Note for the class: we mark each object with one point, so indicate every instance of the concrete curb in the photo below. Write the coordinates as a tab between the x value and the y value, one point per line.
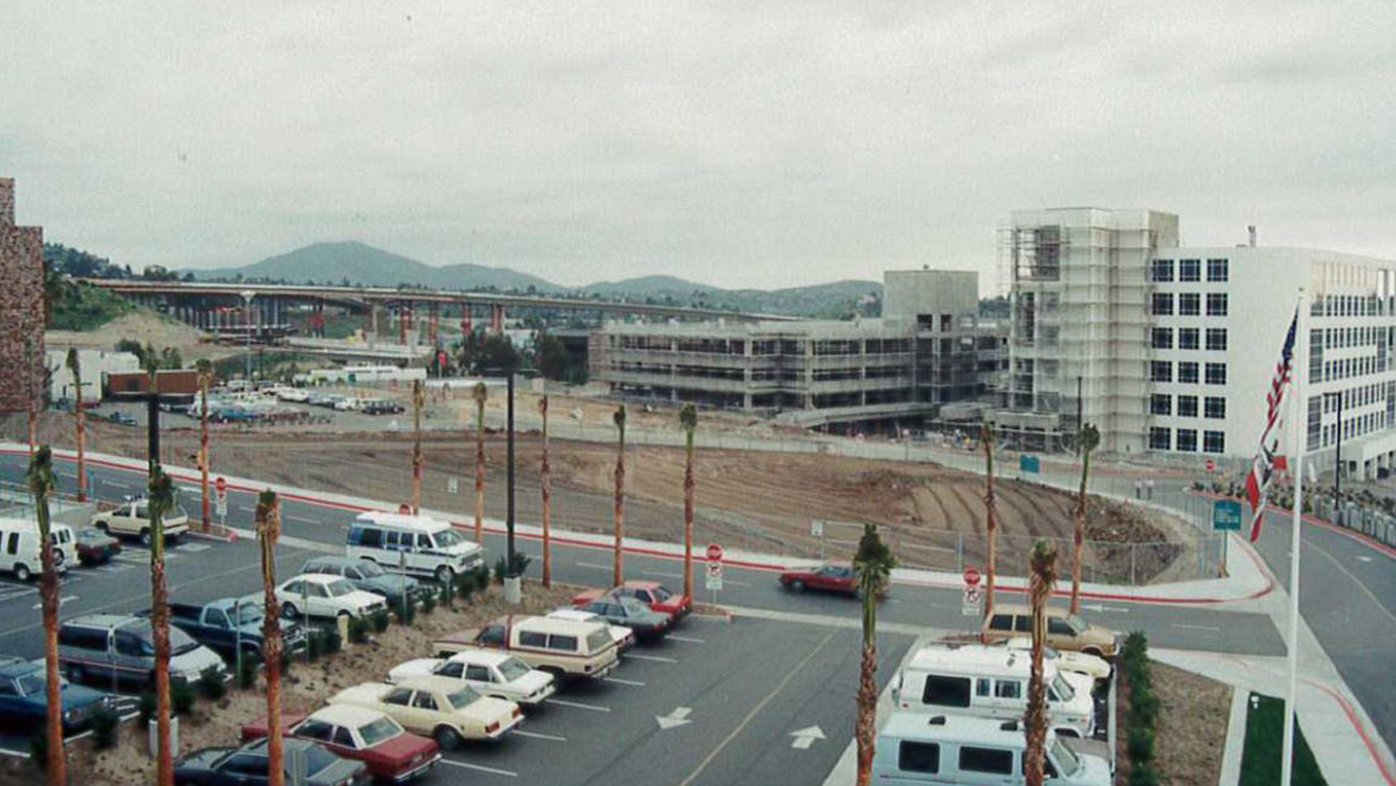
1235	739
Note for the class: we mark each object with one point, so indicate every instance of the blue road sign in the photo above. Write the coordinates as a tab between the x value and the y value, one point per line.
1226	515
1030	464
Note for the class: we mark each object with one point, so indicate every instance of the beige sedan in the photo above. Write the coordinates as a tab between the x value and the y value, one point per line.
440	707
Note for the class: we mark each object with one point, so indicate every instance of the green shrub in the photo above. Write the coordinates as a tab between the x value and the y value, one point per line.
521	563
1143	775
465	586
330	642
1141	744
380	621
1143	707
482	578
38	750
211	684
104	724
405	614
147	706
499	570
247	670
182	696
428	602
314	643
358	630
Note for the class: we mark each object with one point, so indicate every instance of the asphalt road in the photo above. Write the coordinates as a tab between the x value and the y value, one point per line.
746	686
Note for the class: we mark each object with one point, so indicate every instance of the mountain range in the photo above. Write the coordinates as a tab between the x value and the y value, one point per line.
359	264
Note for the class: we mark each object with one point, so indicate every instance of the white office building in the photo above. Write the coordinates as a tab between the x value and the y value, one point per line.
1215	319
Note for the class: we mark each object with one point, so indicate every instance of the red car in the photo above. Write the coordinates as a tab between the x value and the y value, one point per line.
651	593
391	753
96	547
828	577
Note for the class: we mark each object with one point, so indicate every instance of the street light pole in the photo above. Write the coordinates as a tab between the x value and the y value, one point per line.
247	296
1337	459
509	516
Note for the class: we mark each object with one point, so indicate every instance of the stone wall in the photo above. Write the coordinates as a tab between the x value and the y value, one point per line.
21	307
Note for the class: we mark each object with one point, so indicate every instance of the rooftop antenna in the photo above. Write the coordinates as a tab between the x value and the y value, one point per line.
1251	230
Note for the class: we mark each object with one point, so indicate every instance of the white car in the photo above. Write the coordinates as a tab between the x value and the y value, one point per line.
1071	662
624	637
347	405
438	707
293	394
492	673
321	595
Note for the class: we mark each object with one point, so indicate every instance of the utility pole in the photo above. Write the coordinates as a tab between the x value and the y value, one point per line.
1337	459
509	518
247	296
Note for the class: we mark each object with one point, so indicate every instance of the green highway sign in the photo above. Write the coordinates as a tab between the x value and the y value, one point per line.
1226	515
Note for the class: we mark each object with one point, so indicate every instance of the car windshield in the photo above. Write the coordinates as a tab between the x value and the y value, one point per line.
632	605
462	698
661	594
512	669
1063	688
339	588
370	570
1067	760
598	640
92	536
318	759
180	642
31	683
447	538
384	728
250	615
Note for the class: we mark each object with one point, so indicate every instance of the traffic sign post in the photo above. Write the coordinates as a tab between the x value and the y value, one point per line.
1226	517
970	606
816	530
972	576
220	487
713	582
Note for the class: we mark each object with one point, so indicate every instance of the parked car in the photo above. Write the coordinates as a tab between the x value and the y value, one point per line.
1072	662
490	672
121	419
651	593
121	647
367	576
347	404
952	750
443	708
19	547
389	752
24	697
380	406
297	395
95	547
321	595
225	624
627	611
248	766
623	636
564	648
322	399
132	519
234	415
1065	631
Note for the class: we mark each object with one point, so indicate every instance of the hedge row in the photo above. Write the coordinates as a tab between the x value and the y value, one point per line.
1143	710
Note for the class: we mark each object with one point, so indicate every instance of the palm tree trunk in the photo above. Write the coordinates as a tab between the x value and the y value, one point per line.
57	763
1044	565
268	530
480	472
547	474
81	420
618	559
1079	534
688	494
203	451
867	710
417	396
160	635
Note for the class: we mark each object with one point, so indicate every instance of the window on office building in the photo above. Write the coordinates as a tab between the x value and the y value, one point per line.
1161	404
1160	438
1163	304
1187	338
1216	339
1215	407
1189	269
1213	442
1163	338
1187	406
1187	440
1161	371
1216	304
1216	373
1162	270
1187	373
1217	270
1189	304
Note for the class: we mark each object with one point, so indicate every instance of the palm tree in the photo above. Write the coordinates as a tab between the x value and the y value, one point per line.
873	564
418	399
1043	563
618	571
1090	439
268	530
205	369
480	394
991	514
688	418
547	473
41	484
161	502
74	364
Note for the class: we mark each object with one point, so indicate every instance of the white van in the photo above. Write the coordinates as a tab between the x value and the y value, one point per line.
19	547
940	750
991	682
412	544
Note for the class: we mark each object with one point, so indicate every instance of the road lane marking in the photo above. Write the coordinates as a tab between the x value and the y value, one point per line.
303	520
620	681
111	484
1183	626
655	658
578	705
754	710
61	601
535	735
661	574
688	639
1363	558
805	737
678	717
1355	580
479	768
593	566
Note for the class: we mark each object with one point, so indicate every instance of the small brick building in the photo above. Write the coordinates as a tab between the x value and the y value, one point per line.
21	306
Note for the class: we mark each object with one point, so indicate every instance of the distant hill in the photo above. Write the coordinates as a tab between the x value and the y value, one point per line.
363	265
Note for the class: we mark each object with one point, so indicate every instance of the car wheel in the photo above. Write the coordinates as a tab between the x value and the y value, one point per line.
144	537
288	610
103	527
1092	651
22	573
344	615
797	586
445	575
447	737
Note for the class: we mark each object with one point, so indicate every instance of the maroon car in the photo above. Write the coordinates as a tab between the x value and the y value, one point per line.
651	593
828	577
95	547
391	753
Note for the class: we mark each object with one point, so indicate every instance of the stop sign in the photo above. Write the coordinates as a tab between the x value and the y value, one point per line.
714	552
1211	465
971	577
220	484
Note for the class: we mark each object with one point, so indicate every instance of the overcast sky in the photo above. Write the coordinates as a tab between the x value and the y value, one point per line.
737	144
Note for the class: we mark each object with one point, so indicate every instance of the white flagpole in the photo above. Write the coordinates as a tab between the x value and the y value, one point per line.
1298	433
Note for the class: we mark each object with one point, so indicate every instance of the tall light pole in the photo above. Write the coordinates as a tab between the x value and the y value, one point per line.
247	296
1337	458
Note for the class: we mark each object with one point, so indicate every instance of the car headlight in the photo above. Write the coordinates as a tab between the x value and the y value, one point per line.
70	715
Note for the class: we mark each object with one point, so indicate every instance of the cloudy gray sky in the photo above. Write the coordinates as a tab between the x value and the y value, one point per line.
737	144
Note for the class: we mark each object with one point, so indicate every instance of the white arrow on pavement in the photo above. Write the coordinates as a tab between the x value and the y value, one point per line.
1098	607
806	737
676	718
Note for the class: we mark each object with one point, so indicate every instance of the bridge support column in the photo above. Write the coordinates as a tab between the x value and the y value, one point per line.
497	318
317	320
466	326
372	325
433	323
404	322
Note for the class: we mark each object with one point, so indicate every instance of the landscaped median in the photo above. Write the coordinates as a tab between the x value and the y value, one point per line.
1172	723
1260	759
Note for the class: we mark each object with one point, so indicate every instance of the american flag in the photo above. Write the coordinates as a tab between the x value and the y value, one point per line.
1267	462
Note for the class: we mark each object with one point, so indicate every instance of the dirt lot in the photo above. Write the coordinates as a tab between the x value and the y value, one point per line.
146	328
1192	723
305	688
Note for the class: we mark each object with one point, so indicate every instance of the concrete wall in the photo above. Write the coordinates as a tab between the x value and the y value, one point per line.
907	293
21	307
